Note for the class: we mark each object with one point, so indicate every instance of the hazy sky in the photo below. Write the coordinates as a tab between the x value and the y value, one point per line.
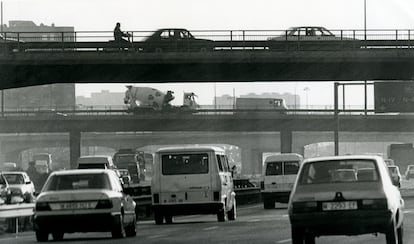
88	15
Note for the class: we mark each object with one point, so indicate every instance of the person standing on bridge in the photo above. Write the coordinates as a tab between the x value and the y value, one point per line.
118	34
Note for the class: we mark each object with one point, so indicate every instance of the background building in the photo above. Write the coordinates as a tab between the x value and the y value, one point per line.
56	96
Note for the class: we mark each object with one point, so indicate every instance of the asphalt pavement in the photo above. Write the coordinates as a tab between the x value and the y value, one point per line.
253	225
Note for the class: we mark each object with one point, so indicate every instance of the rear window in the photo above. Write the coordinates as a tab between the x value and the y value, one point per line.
339	171
92	166
125	158
282	168
77	182
177	164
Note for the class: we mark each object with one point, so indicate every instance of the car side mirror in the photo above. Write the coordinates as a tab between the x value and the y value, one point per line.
396	181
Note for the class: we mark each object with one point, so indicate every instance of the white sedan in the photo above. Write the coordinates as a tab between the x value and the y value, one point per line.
83	201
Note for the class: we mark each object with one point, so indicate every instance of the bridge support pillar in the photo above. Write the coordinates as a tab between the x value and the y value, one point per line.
286	141
74	147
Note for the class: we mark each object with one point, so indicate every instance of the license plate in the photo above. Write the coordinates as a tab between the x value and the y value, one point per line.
73	205
333	206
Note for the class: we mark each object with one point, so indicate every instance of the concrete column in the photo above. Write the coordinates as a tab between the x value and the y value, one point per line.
74	147
286	141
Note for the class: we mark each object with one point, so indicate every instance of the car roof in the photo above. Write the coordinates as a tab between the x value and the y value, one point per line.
14	172
96	156
344	157
82	171
298	27
190	148
176	29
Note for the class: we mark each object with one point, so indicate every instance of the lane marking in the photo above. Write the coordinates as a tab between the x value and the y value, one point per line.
16	237
253	220
211	228
284	241
155	236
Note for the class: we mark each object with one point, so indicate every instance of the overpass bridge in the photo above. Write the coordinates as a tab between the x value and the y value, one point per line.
283	129
86	57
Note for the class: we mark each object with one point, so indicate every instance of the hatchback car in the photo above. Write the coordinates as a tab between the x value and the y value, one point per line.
83	201
20	185
311	38
409	173
175	40
323	204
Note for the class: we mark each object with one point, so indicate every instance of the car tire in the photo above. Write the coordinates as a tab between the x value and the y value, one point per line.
298	235
221	215
268	204
58	236
168	219
232	214
391	234
400	234
42	236
158	218
131	229
118	229
309	239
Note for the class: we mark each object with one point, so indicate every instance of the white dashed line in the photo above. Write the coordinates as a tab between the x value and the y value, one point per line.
155	236
284	241
211	228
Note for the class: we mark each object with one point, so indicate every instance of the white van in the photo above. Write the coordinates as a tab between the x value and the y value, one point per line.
192	180
96	162
279	175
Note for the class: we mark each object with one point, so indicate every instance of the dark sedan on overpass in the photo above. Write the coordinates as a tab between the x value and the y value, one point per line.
175	40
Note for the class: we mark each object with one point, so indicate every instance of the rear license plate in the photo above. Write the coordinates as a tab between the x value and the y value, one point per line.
333	206
73	205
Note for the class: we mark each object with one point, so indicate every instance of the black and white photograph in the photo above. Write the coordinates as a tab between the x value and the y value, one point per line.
207	121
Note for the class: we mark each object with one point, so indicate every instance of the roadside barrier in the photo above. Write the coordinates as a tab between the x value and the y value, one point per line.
14	211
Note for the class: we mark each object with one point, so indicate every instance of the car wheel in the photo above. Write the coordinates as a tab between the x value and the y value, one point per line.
391	234
221	215
232	214
309	239
298	235
268	204
400	232
131	229
41	236
168	219
158	218
119	229
58	236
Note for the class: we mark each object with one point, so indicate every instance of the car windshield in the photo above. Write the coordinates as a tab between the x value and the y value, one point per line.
176	164
125	158
14	178
339	171
92	166
77	182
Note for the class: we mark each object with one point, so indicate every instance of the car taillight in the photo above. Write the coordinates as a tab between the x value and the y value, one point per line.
106	203
156	198
303	207
374	204
216	196
42	206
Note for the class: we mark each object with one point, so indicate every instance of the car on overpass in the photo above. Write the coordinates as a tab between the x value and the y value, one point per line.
322	204
175	40
86	200
311	38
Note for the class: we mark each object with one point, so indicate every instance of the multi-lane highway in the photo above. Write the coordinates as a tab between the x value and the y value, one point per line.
253	225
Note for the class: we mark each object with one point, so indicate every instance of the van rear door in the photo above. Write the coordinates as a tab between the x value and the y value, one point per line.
185	177
280	175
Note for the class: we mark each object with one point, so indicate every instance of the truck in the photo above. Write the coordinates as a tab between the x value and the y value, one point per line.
140	99
140	187
43	162
263	104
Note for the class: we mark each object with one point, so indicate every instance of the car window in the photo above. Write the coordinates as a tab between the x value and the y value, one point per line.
173	164
2	180
92	166
77	182
339	171
291	167
274	168
219	163
14	178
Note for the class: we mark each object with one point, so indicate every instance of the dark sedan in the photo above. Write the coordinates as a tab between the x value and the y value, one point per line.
175	40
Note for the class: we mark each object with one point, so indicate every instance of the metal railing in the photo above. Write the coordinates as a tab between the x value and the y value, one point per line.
222	39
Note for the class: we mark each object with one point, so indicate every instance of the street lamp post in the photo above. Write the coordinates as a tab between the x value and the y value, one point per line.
365	20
